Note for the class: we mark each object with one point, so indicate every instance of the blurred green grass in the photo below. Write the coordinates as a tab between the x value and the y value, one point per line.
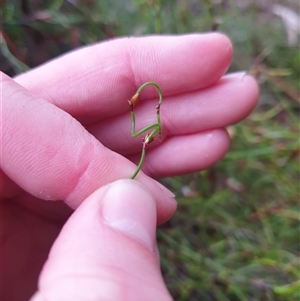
235	235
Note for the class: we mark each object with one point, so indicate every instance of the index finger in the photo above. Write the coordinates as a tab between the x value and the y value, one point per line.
96	81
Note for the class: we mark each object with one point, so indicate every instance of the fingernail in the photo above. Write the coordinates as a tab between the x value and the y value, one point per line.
130	208
240	75
168	193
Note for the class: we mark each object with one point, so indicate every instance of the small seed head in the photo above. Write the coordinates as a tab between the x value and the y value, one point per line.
148	139
134	99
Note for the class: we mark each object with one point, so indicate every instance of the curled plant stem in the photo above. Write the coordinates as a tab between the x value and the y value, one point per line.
151	129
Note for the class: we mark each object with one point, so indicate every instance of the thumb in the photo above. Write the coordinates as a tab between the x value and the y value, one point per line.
106	250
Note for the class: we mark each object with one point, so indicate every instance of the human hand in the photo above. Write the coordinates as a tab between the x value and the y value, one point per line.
51	156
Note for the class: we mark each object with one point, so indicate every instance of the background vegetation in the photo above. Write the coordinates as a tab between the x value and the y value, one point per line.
236	233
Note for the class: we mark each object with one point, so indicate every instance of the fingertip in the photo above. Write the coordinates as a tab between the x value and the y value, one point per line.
247	88
252	86
222	41
129	207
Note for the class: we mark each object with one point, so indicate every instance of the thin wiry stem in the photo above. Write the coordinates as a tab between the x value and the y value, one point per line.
155	127
140	165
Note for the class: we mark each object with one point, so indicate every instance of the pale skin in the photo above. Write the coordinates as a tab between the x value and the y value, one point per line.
66	134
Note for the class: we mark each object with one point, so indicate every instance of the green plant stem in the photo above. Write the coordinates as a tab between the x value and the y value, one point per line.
140	165
156	127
